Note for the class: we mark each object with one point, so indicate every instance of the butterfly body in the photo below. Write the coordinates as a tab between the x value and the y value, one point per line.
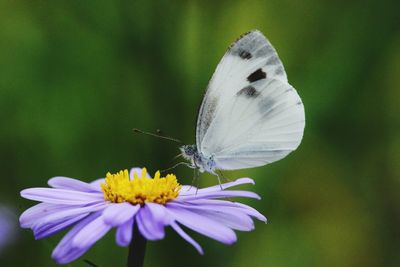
250	115
197	159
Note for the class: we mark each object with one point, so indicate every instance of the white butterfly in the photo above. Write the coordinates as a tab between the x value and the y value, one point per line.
250	115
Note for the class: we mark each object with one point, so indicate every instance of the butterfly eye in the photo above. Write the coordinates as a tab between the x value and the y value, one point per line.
190	150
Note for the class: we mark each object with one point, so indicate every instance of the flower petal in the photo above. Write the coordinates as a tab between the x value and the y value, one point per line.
236	221
190	190
97	184
185	236
61	182
159	213
118	213
61	196
251	211
31	215
214	204
123	236
202	224
233	217
89	234
64	251
150	224
220	194
54	227
67	212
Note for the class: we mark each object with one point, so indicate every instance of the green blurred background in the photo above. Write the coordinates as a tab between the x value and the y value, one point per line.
77	76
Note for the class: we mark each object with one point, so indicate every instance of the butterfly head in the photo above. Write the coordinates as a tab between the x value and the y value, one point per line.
197	159
189	151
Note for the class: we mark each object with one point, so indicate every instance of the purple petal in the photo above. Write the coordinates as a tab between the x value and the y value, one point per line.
159	213
64	213
237	221
150	225
202	224
185	236
123	236
52	228
220	194
97	184
214	204
232	217
72	254
61	196
89	234
71	184
119	213
252	211
64	251
138	171
190	190
31	215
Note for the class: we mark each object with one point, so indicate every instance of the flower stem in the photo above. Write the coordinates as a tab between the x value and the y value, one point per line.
137	249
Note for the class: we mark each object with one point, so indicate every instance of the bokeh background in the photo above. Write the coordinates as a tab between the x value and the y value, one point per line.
77	76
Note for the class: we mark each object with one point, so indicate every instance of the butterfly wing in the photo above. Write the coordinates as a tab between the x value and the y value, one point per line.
250	115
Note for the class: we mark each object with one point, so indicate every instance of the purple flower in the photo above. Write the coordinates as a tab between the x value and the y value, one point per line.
7	227
124	199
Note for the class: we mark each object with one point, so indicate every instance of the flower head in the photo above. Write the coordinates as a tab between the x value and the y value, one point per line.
122	200
120	188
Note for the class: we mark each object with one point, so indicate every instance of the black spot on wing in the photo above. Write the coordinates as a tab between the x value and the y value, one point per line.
248	91
257	75
244	54
242	47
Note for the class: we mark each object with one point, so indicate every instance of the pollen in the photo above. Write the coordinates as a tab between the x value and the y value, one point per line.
119	188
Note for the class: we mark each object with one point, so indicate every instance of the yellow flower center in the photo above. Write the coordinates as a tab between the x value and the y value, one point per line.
119	188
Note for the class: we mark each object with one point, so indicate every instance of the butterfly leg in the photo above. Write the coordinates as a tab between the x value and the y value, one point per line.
219	180
224	178
195	179
196	176
220	174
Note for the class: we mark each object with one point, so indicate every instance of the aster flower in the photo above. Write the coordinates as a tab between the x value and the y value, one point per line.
7	227
130	201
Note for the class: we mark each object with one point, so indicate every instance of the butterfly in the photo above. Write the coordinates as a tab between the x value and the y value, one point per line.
250	115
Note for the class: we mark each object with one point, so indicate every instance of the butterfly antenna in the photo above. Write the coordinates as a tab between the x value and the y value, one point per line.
176	165
136	130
